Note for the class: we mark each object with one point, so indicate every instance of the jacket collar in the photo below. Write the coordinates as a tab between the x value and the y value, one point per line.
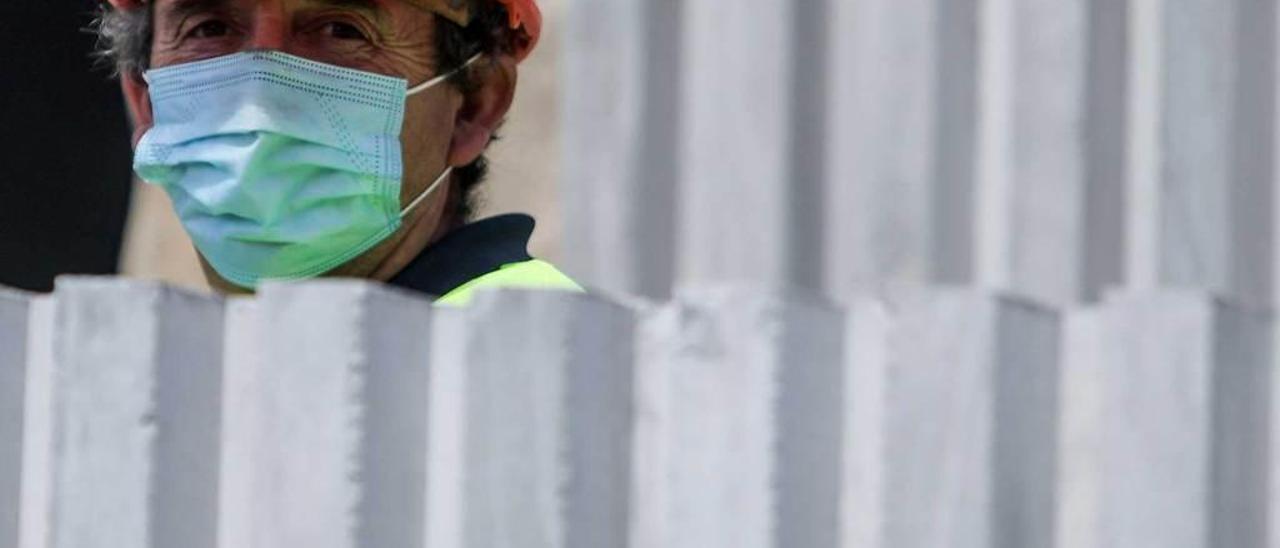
467	253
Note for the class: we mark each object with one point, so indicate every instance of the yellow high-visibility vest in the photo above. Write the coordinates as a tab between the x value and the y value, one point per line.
533	274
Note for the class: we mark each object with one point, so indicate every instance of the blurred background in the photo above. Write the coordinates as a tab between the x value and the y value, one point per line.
64	148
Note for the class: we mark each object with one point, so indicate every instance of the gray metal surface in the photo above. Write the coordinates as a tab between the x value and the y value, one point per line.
343	414
1050	149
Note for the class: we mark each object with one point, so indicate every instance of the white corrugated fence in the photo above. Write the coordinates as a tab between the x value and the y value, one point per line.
343	414
1053	149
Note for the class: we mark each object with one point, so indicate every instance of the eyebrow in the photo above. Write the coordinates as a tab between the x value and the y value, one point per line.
178	10
372	6
185	7
375	8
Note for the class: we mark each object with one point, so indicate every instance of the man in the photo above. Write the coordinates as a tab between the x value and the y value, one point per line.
303	138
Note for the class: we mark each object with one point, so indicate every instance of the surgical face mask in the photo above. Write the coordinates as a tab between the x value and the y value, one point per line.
280	168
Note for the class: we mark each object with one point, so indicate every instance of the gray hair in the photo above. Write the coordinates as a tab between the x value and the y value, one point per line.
124	39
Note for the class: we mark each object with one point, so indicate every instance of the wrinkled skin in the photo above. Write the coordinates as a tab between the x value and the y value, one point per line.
391	37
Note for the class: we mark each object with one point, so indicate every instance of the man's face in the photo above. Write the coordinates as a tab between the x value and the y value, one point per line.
388	37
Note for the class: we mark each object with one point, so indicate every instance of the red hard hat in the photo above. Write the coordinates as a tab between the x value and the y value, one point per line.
524	15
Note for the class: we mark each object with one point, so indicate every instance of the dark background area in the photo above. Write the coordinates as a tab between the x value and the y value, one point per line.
64	149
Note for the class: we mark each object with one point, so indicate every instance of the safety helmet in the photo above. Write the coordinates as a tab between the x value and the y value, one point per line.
524	16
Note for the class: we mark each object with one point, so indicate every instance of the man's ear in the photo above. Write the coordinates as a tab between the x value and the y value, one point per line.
139	103
483	110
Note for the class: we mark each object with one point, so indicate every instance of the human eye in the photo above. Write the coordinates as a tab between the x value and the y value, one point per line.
210	29
341	30
337	37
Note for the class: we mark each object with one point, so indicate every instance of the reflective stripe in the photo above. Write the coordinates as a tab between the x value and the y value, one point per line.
533	274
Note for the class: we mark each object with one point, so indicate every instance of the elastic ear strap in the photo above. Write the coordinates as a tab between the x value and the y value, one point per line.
440	79
428	192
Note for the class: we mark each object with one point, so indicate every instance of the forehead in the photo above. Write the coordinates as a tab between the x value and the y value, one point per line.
182	5
458	11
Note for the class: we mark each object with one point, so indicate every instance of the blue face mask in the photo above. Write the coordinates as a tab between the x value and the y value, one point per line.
280	168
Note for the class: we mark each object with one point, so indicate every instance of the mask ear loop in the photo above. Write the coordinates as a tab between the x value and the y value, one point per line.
448	170
428	192
439	79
